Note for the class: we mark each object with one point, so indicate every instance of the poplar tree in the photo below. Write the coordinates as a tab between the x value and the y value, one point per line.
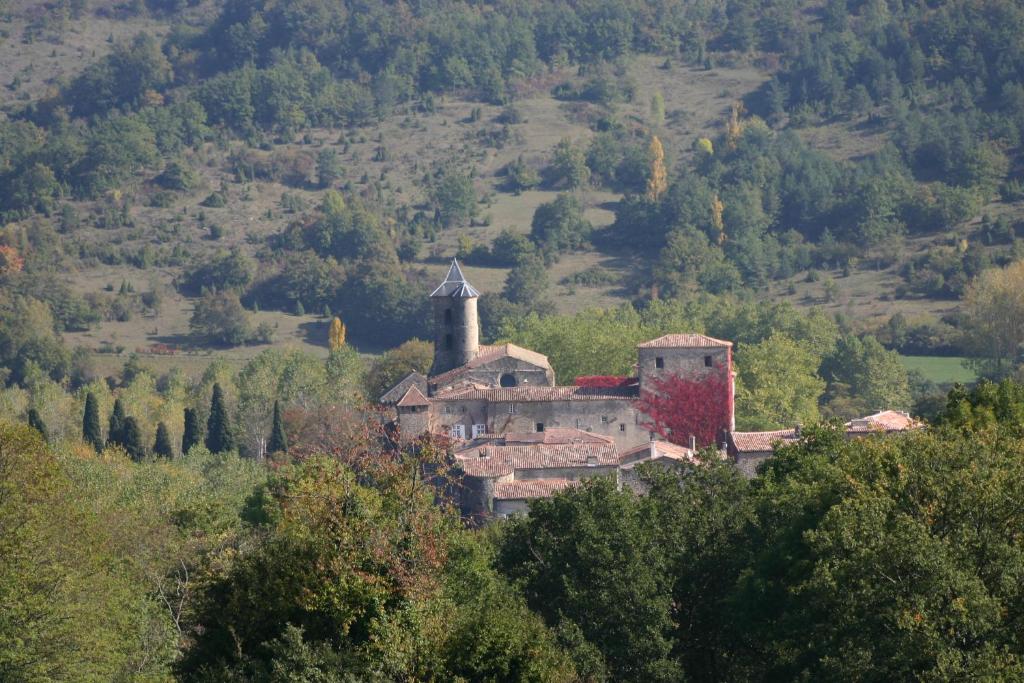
132	439
336	335
192	435
218	427
162	445
91	433
658	182
115	429
278	440
36	423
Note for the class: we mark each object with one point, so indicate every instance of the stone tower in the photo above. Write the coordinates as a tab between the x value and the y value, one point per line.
456	326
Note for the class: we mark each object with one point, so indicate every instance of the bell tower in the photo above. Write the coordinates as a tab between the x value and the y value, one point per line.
456	326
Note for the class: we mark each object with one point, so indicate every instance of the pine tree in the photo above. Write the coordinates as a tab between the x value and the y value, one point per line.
336	335
91	433
36	423
115	430
162	445
192	435
218	427
132	439
278	440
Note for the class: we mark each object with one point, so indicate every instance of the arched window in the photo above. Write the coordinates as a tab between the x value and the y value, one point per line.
507	380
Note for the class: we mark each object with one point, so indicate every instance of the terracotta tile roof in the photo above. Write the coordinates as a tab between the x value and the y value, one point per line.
493	461
755	442
395	393
556	435
413	397
526	394
605	381
684	341
885	421
531	488
486	354
654	451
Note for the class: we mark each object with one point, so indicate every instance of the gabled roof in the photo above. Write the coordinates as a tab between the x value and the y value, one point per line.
495	461
655	450
538	394
413	397
884	421
531	488
395	393
455	285
684	341
488	354
758	442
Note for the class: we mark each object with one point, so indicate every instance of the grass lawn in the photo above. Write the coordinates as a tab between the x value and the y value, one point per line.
941	369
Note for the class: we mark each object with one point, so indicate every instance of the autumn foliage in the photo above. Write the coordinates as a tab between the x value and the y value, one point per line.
679	407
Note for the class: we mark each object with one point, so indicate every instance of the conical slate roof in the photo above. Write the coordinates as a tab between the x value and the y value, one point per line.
455	285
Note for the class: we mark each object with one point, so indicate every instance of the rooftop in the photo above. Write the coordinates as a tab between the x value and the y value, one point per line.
684	341
531	488
455	285
395	393
527	394
495	461
487	354
413	397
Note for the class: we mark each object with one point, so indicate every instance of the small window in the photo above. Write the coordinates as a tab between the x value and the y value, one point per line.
540	426
622	426
448	341
659	362
457	431
604	419
507	380
511	407
447	316
479	429
447	410
708	361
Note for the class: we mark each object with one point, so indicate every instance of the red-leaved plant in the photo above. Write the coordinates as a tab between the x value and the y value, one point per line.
678	407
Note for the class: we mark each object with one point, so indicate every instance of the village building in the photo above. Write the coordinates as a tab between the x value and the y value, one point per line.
518	436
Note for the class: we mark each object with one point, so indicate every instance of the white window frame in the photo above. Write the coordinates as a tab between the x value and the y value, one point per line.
511	408
478	429
457	431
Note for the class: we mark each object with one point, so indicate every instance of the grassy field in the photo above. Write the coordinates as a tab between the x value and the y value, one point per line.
941	369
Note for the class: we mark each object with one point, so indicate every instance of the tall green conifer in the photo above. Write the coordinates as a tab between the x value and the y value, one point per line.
278	440
162	445
91	432
131	436
218	427
193	434
115	430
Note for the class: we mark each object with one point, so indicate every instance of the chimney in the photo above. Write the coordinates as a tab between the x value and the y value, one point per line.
693	443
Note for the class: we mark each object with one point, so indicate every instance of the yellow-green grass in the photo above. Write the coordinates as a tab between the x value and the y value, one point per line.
941	369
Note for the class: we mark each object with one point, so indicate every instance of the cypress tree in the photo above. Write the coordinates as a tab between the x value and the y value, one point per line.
132	436
91	433
36	423
278	440
218	427
162	445
115	430
192	435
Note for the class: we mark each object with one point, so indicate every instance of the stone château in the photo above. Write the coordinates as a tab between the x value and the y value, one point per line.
519	436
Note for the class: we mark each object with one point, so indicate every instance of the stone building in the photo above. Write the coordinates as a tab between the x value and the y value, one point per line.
518	436
750	449
474	389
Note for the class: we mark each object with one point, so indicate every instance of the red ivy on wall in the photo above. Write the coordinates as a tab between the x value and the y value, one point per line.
679	407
